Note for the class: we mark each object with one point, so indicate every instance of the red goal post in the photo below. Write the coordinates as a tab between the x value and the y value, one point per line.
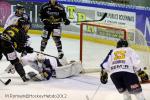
99	26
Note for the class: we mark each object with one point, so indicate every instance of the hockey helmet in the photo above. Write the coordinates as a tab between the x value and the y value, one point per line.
122	43
19	6
40	57
19	10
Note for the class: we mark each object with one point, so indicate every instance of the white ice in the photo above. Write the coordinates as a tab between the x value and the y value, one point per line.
74	88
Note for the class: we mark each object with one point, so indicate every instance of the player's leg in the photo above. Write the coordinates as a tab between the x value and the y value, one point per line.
11	56
133	86
45	36
126	95
119	84
57	39
139	96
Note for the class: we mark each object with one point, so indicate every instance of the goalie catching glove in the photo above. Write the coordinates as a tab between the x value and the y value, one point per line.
104	77
143	75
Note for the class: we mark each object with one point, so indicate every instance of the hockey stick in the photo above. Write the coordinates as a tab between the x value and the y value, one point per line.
7	82
45	54
96	20
92	98
103	17
145	82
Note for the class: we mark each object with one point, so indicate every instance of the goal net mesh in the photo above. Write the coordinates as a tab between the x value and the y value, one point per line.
97	40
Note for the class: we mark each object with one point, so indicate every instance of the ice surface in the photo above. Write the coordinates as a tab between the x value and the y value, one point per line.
74	88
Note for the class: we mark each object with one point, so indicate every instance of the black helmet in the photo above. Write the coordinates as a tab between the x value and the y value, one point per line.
19	6
122	43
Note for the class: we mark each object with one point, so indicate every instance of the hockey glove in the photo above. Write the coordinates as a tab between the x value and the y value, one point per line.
46	74
45	22
104	77
28	49
66	21
143	75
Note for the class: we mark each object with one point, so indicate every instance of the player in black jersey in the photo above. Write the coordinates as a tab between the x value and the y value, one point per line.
12	40
51	14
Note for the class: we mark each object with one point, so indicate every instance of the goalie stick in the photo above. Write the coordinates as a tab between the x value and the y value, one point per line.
45	54
7	82
145	82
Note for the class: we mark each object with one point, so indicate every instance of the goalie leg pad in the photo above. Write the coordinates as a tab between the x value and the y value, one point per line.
140	96
72	69
126	95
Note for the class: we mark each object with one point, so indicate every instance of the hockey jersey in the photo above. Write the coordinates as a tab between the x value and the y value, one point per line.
13	19
52	14
122	59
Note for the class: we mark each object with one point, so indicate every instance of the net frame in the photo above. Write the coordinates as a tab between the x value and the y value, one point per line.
81	41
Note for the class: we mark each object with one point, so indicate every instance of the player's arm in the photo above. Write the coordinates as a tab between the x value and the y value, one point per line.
64	15
43	15
48	64
104	65
11	20
136	62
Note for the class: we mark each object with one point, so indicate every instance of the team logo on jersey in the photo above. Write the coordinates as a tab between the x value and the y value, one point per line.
119	54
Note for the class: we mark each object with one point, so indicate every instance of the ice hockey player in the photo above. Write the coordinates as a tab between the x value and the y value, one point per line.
12	40
51	14
123	63
13	18
44	67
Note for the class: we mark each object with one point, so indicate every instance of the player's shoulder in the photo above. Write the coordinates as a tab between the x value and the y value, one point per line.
130	49
25	15
11	30
11	27
45	5
61	6
127	49
12	16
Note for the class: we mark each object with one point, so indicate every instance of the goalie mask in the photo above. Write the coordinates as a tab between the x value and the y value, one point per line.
40	58
122	43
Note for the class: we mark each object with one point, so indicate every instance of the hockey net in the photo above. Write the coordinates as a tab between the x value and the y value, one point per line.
97	40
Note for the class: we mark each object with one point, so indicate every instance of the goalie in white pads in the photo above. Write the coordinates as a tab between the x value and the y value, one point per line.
48	66
123	63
